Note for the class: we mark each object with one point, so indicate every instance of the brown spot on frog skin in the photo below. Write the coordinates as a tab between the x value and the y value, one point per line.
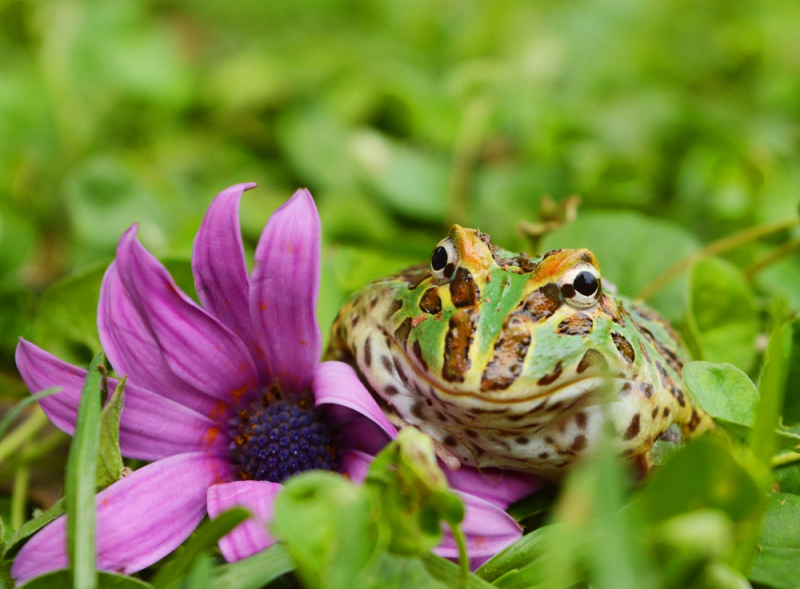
417	320
624	346
431	302
368	352
456	345
521	440
611	309
463	290
396	305
418	353
541	303
387	364
678	394
401	333
551	378
647	390
578	444
633	428
592	359
509	354
391	390
581	420
577	324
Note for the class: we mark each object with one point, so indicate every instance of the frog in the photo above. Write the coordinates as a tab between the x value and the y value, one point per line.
515	362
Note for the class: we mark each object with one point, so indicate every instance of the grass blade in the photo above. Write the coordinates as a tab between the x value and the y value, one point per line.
20	407
80	480
205	539
255	571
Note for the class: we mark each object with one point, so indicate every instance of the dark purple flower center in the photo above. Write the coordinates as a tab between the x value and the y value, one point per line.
277	437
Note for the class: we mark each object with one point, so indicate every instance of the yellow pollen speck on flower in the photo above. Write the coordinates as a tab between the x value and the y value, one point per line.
236	394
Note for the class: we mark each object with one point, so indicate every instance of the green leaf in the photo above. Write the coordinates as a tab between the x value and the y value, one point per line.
722	313
204	539
724	392
30	527
402	572
329	528
199	575
777	560
791	402
703	474
66	321
721	576
534	504
730	397
62	579
9	417
771	390
109	458
520	562
80	479
255	571
413	493
447	573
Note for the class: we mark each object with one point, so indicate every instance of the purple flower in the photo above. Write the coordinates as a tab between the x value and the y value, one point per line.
222	397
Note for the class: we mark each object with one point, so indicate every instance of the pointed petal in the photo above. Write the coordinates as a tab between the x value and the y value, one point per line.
250	536
220	272
151	426
140	519
283	292
196	347
488	529
499	487
132	349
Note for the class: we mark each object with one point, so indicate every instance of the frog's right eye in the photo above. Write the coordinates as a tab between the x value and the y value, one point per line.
444	260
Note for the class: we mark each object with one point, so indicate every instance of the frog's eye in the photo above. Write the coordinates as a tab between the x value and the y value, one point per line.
444	260
581	285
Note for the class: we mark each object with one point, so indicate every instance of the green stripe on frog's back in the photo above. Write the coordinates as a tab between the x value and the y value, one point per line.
499	297
431	334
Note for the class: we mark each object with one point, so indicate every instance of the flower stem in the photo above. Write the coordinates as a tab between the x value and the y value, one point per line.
23	433
463	557
787	248
717	247
19	496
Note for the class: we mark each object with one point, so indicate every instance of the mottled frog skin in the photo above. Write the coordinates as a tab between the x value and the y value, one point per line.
513	362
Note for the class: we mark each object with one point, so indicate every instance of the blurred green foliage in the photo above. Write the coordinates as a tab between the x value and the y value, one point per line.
678	123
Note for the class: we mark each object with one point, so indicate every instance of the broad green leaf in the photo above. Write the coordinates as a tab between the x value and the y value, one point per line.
200	573
30	527
254	571
62	579
534	504
109	459
722	313
730	397
632	250
80	479
777	559
203	540
724	392
788	478
721	576
704	474
66	322
329	528
413	493
771	390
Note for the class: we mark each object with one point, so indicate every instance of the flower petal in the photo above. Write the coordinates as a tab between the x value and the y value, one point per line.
220	272
196	347
250	536
283	292
140	518
337	383
132	349
151	426
355	465
488	529
496	486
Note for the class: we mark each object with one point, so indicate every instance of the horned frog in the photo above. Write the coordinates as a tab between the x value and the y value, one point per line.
515	362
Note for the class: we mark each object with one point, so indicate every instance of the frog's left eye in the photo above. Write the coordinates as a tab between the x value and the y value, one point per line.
444	260
581	285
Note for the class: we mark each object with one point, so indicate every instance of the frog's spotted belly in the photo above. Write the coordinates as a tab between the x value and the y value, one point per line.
495	366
